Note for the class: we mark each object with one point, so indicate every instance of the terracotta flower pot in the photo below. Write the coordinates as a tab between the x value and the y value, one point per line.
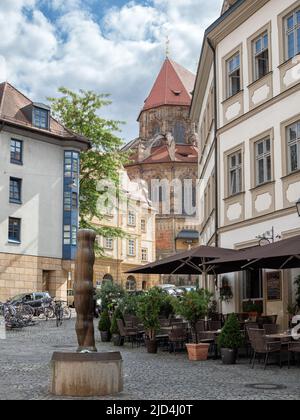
198	351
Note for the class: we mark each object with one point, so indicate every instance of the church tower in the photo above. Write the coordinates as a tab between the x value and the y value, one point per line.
166	153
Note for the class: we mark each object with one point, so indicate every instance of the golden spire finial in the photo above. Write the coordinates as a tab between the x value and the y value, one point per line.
167	46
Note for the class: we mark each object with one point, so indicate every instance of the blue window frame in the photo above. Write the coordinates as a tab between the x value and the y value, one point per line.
40	118
15	190
14	230
16	151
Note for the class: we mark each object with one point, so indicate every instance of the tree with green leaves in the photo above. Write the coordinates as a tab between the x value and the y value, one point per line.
80	113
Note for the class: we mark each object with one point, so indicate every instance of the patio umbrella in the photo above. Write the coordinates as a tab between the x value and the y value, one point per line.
284	254
188	262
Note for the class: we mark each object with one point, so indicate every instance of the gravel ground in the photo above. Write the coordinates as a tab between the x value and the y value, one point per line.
25	371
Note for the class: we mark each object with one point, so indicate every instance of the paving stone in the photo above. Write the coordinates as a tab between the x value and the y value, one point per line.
25	371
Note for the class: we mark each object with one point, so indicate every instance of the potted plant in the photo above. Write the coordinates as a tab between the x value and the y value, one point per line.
114	329
148	309
194	306
104	326
226	293
230	340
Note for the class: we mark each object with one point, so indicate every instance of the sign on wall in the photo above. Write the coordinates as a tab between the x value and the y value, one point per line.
274	286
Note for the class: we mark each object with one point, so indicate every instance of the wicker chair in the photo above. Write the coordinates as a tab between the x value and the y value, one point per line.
293	348
271	329
261	346
214	325
129	334
177	339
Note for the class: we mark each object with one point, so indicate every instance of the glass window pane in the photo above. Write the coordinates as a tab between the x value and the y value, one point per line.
290	22
261	171
291	45
258	45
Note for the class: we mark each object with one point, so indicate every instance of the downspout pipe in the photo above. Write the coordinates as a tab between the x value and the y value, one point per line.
216	144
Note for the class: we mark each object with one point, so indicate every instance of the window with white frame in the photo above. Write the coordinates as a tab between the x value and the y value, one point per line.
261	56
145	254
108	243
235	166
263	161
131	218
233	75
67	235
143	225
293	146
131	247
292	34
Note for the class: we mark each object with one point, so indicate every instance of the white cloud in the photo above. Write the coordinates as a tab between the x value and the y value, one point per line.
118	53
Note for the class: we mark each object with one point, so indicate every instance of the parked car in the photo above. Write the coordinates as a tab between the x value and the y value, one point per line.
35	300
186	289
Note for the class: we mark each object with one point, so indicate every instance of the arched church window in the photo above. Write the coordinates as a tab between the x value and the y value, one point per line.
155	129
179	132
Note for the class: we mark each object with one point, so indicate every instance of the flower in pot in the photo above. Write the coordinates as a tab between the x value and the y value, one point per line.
230	340
104	326
148	310
194	306
226	293
114	329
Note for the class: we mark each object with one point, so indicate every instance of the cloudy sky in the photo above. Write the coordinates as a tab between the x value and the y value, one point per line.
110	46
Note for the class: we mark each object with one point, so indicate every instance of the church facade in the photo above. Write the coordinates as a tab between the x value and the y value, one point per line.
165	157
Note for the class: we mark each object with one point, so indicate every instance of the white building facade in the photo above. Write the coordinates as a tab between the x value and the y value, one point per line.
39	193
251	140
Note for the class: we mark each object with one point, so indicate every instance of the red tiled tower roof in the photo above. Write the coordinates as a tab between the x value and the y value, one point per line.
173	86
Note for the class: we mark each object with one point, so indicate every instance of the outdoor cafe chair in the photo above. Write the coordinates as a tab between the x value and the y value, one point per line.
177	339
293	349
129	334
261	346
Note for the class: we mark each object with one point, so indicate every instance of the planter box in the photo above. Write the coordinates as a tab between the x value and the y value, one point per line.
198	352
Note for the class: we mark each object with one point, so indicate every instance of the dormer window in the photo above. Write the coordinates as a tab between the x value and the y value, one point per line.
40	116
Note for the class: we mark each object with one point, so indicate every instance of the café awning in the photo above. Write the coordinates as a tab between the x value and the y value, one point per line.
284	254
188	262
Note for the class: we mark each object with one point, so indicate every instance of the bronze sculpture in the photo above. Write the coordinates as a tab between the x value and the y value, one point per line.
84	290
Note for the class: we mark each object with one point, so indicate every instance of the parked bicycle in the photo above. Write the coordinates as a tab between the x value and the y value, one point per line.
16	316
61	311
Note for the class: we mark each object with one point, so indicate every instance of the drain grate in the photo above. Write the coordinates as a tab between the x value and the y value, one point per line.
266	387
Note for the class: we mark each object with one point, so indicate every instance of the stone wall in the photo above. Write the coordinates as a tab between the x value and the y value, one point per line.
24	274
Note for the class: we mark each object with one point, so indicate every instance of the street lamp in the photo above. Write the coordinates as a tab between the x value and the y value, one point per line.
298	206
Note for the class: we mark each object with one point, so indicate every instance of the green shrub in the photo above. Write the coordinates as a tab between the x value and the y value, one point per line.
194	306
149	306
167	306
104	323
114	329
231	337
110	295
129	304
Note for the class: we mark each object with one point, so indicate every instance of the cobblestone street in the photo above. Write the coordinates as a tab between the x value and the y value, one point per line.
25	371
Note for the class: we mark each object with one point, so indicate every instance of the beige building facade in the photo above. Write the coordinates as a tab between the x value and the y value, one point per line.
249	75
134	215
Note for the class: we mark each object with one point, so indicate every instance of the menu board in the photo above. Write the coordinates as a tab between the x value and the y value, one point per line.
274	286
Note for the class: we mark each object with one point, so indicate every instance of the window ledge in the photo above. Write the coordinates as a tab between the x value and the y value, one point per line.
289	61
291	174
230	98
11	242
265	184
266	76
16	162
15	202
229	197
